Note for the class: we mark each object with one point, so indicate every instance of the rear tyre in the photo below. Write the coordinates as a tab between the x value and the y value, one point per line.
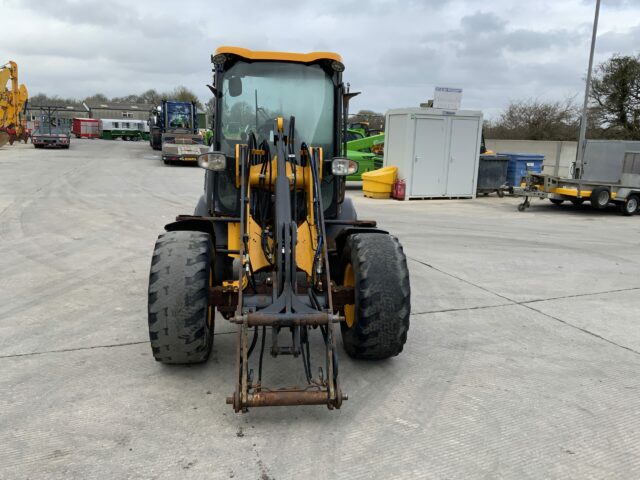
556	201
600	198
376	326
631	205
180	317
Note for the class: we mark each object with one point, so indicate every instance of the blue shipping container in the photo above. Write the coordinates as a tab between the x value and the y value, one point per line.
520	164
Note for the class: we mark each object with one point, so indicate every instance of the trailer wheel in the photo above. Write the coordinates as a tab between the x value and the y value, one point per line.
600	198
180	317
631	205
376	325
556	201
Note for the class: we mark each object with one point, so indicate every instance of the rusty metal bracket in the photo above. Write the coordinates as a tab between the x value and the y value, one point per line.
342	296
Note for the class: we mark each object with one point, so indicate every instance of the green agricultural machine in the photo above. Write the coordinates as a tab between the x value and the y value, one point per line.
366	151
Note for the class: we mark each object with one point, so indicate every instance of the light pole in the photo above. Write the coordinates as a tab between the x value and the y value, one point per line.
583	122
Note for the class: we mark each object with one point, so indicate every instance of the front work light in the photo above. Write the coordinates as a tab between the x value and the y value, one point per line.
337	66
343	166
218	59
215	161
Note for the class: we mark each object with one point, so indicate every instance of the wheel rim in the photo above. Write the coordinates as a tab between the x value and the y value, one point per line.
603	197
632	205
349	309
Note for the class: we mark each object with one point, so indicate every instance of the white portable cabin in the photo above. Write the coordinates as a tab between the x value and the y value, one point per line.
436	151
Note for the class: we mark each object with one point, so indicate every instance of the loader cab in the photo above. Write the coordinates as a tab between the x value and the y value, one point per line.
251	90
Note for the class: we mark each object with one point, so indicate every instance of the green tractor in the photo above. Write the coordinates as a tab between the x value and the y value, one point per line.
366	151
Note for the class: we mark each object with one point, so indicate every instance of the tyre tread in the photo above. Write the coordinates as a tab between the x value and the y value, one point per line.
178	298
382	313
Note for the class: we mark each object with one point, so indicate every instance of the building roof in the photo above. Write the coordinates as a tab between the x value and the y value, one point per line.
142	107
63	107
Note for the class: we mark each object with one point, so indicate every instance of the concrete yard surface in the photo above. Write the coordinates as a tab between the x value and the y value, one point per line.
522	360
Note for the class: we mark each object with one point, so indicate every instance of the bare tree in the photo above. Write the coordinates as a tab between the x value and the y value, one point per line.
151	96
536	120
41	99
375	119
183	94
97	97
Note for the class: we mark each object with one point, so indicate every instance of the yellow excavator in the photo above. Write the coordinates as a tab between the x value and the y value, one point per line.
13	102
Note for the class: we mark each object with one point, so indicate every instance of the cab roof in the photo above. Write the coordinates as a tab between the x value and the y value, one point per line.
278	56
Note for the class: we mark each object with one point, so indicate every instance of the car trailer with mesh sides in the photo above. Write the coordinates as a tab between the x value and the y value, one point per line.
625	193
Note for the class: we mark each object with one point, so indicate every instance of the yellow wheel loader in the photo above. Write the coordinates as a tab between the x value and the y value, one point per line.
274	246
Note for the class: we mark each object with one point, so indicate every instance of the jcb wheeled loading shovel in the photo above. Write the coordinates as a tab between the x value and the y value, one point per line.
289	307
274	244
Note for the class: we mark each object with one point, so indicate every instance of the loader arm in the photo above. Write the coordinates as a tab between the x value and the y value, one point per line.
289	310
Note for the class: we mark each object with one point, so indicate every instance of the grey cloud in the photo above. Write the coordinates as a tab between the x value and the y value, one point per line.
481	22
612	3
395	51
526	40
116	15
615	42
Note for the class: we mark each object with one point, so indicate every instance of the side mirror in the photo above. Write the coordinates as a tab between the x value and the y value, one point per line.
235	86
216	161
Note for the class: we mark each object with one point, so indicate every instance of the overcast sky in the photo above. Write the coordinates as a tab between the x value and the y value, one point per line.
395	51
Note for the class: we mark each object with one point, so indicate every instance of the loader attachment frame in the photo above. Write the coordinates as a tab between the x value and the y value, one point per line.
288	308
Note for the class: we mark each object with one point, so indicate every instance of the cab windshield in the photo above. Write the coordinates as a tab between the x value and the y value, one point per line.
255	94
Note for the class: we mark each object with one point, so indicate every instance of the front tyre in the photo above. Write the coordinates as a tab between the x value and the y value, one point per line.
600	198
180	317
376	325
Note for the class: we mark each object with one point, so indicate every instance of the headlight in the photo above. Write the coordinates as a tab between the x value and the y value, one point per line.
216	161
343	166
